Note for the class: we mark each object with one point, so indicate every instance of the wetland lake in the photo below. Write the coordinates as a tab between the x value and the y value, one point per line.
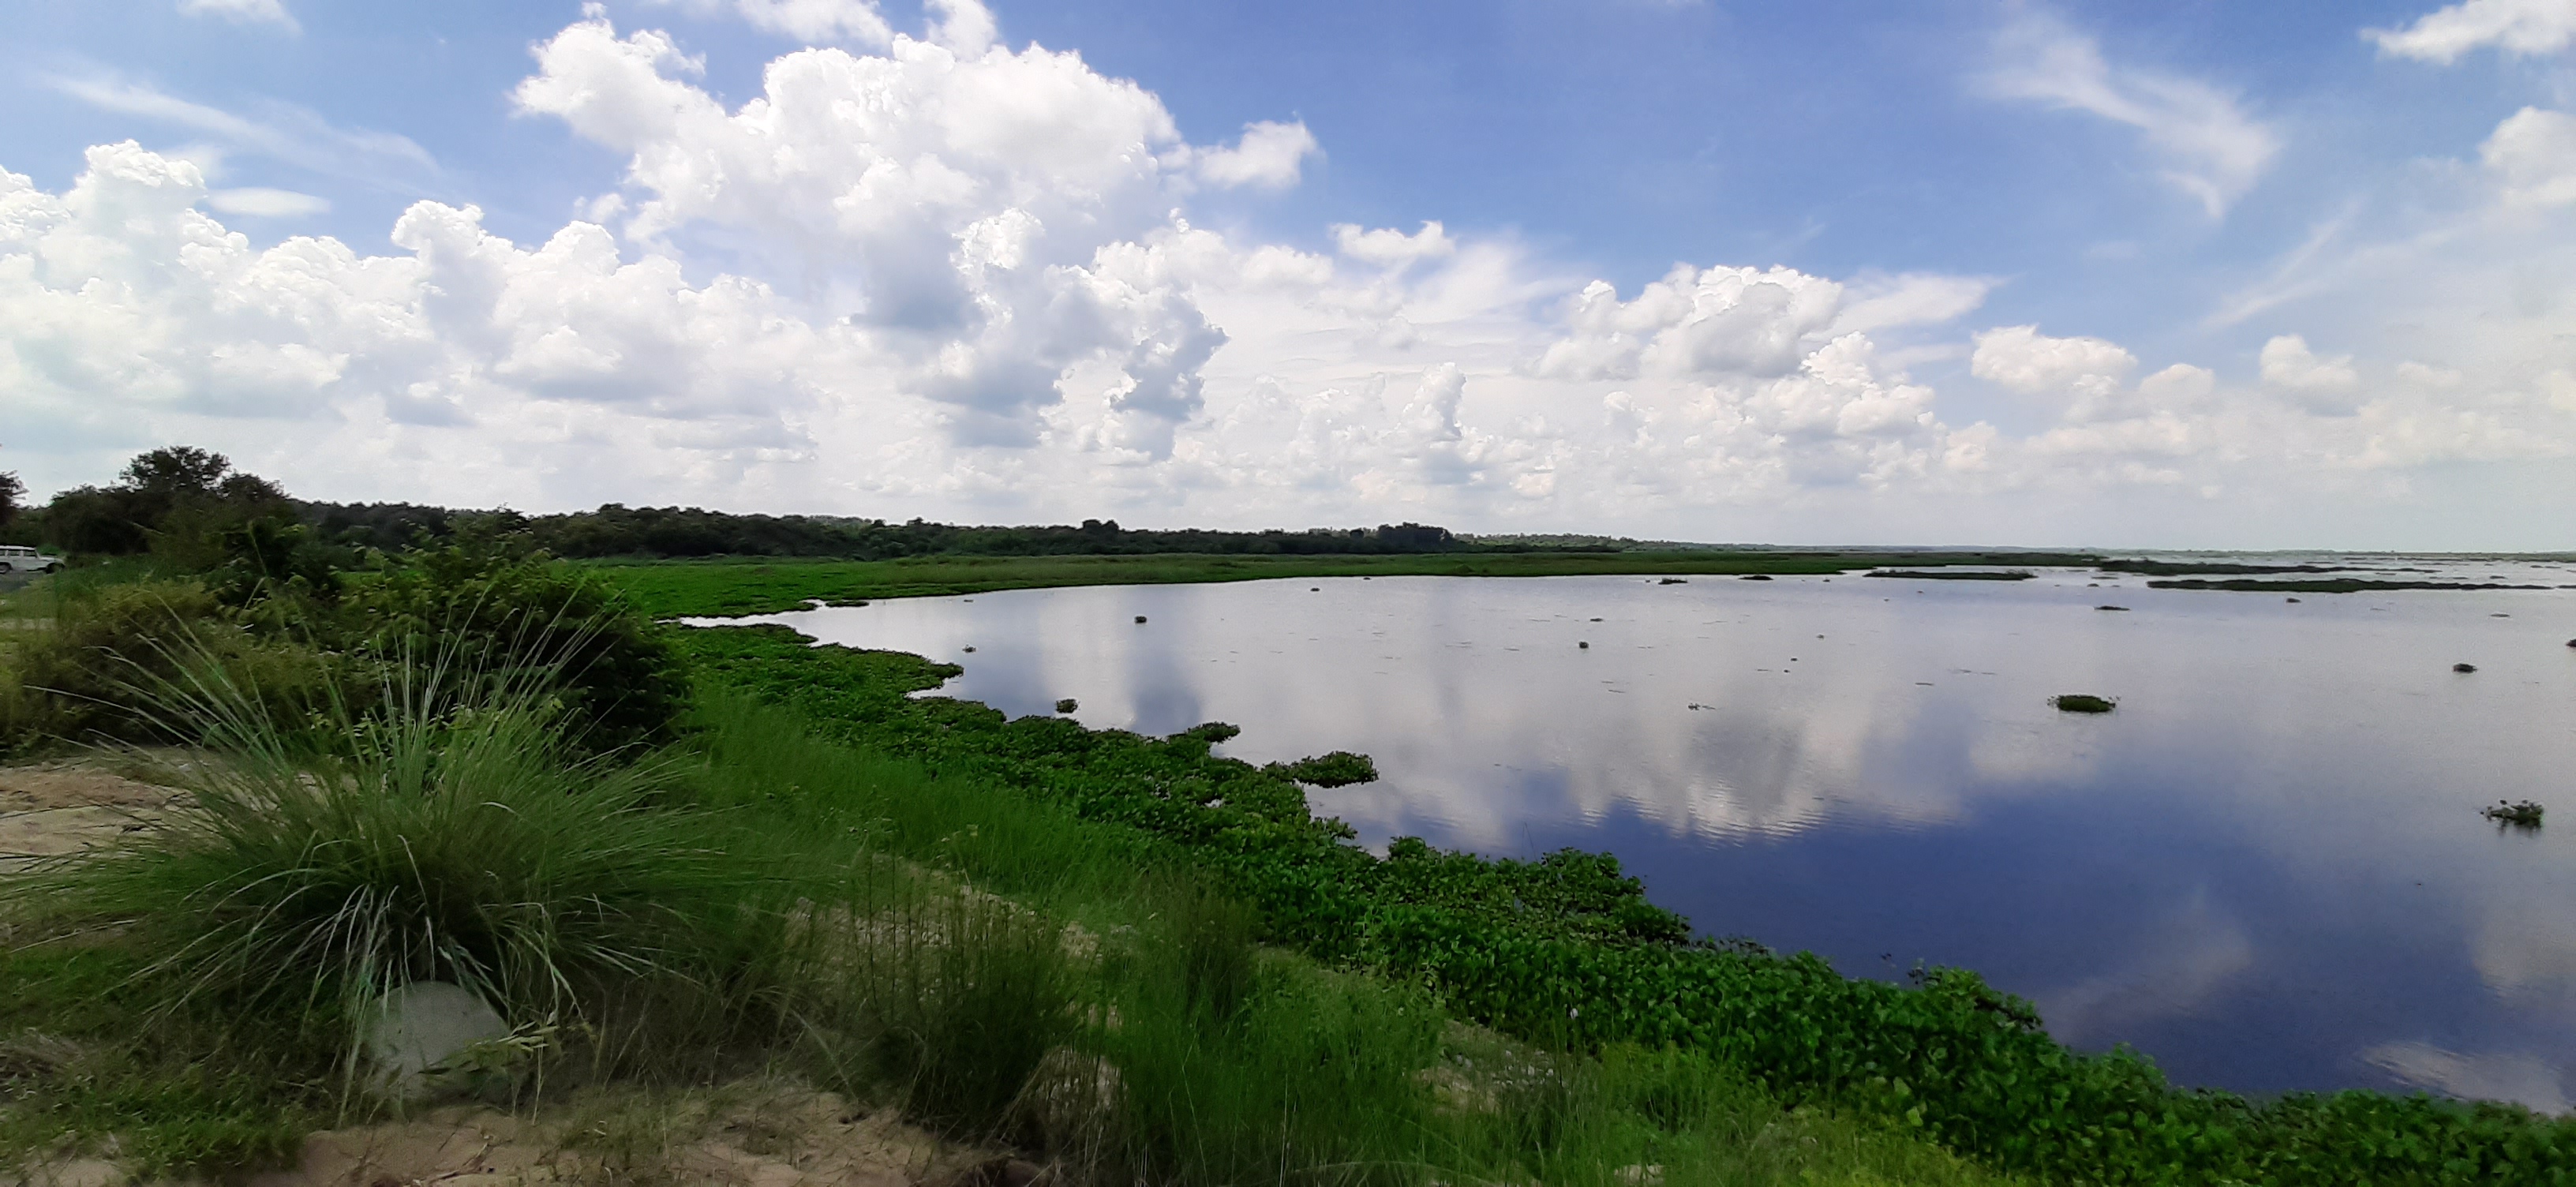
2266	869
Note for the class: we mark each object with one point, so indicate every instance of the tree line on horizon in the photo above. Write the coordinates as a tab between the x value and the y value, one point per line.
183	499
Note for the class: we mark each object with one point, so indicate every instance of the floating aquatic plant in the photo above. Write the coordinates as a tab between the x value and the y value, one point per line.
2082	702
2525	814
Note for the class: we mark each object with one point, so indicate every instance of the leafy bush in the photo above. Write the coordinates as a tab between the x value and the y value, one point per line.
88	677
615	677
609	674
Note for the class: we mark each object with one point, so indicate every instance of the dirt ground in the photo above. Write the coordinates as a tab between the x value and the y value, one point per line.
50	809
758	1135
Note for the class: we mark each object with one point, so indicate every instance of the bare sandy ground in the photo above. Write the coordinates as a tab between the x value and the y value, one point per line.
739	1136
51	809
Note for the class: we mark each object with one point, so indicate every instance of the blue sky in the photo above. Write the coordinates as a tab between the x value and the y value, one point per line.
2177	274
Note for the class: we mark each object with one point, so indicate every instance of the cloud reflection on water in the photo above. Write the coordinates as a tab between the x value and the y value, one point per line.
2265	869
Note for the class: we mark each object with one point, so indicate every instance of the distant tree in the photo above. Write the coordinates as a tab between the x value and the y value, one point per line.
95	519
178	470
181	502
12	492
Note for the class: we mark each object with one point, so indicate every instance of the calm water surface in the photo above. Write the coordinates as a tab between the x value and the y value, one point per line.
2266	869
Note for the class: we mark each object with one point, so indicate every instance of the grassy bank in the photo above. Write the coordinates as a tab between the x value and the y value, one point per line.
667	589
760	903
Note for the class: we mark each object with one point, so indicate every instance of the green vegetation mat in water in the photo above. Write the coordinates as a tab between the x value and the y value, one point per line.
1950	575
2324	585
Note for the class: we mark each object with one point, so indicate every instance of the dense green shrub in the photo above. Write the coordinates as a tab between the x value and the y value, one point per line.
88	677
610	674
615	676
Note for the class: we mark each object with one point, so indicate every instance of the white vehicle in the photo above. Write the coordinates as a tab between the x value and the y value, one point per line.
17	558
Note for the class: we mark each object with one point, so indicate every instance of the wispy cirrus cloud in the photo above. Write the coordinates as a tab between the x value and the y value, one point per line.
244	12
282	132
2210	147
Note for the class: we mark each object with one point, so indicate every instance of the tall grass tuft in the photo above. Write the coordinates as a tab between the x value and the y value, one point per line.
955	1000
316	865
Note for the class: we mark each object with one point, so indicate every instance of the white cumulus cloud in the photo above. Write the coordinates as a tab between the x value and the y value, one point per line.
1270	155
2324	384
2521	27
2024	360
2532	156
949	277
1389	247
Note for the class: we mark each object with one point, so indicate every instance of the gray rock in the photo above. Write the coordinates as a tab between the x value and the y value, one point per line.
419	1030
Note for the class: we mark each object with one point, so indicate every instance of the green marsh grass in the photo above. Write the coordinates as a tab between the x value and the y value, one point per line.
764	902
728	586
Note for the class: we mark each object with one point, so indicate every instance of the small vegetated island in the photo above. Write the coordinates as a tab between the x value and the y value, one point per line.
420	748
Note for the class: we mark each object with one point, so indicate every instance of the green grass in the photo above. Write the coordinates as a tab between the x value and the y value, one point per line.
765	901
745	586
